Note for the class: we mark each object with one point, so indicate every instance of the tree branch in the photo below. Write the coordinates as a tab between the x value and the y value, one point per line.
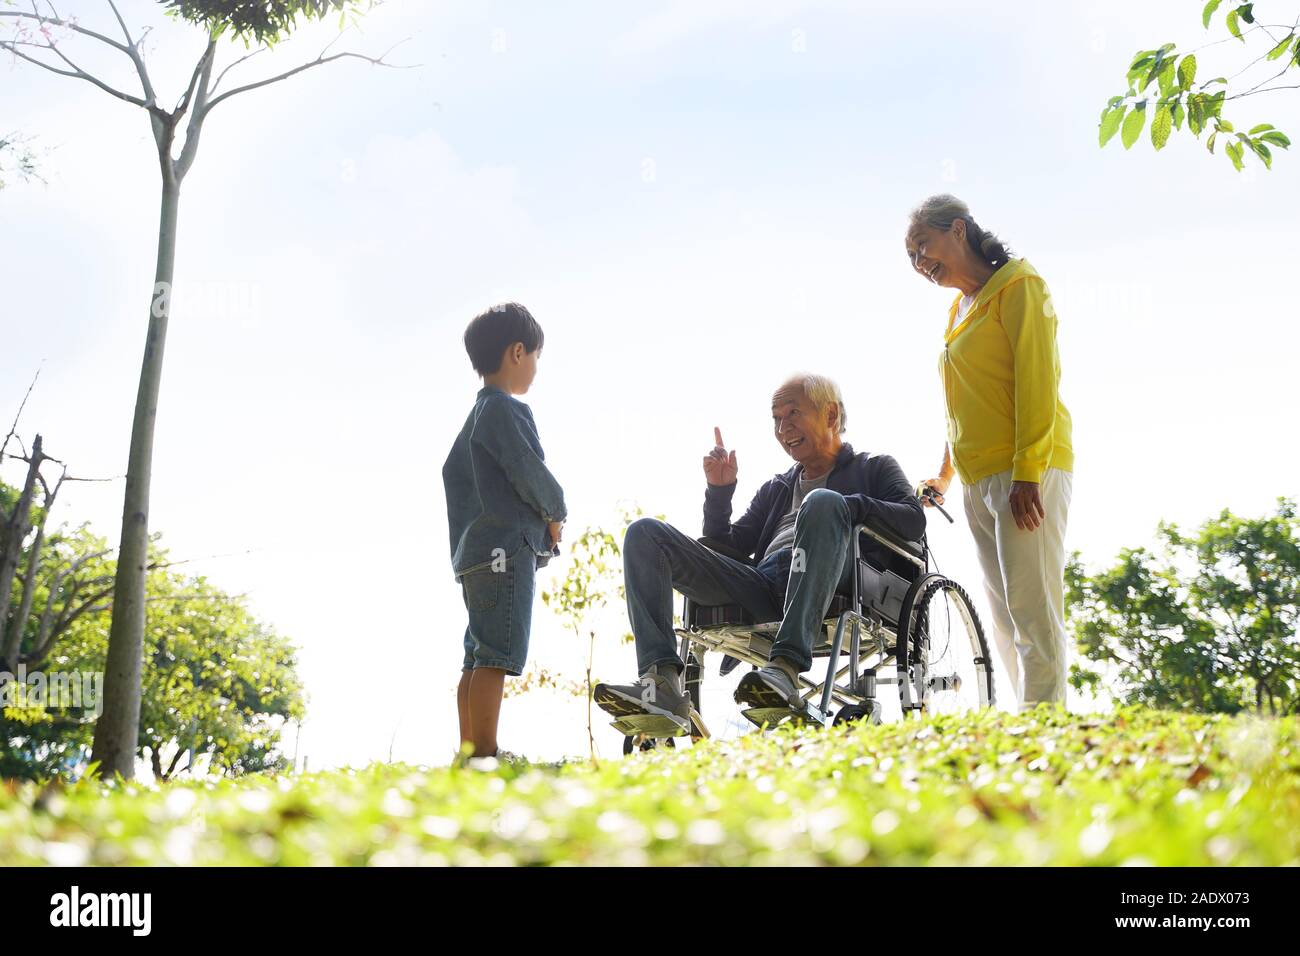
188	98
76	71
222	75
122	23
60	22
319	61
1255	92
199	84
23	404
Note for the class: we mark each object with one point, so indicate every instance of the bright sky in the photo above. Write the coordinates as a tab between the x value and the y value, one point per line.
694	199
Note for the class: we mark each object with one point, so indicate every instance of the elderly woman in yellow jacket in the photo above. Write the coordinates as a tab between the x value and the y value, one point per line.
1008	435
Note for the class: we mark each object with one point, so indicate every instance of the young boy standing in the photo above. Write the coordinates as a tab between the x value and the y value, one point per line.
505	511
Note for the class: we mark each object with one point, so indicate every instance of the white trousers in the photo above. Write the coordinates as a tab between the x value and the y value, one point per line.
1024	579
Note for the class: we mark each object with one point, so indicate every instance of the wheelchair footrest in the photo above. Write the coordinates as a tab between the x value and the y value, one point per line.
652	725
771	716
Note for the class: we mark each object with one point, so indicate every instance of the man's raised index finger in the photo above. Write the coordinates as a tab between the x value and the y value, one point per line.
717	437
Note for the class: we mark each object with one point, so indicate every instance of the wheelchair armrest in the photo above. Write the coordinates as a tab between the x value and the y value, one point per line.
887	536
713	544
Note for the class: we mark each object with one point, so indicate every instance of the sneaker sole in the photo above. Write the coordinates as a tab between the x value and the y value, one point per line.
753	690
620	705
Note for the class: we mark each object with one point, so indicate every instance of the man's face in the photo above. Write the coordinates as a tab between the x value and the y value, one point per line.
802	432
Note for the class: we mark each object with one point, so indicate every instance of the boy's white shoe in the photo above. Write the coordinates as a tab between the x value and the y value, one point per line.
500	758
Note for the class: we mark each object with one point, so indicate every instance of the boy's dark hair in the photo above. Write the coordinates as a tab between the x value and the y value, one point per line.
492	332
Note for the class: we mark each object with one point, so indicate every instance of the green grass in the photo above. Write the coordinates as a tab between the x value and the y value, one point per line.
1134	787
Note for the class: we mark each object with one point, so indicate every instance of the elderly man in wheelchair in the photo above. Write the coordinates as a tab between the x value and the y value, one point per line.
840	534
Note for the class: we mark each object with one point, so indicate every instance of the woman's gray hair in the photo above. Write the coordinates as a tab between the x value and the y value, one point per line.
939	211
822	392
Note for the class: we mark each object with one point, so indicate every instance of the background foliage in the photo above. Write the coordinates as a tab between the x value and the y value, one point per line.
1207	621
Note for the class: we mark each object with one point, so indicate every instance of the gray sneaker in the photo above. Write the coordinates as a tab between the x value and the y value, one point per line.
769	686
653	695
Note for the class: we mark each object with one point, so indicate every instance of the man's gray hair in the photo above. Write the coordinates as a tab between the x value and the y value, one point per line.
822	392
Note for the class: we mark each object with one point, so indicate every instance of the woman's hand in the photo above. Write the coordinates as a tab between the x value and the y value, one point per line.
1026	505
556	528
941	485
720	465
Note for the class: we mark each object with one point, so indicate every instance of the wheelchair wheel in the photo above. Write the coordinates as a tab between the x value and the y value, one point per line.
944	664
640	742
856	713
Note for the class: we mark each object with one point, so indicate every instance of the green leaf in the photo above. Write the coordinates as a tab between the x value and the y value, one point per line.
1209	143
1196	113
1209	12
1263	153
1234	29
1157	66
1277	138
1247	11
1187	70
1278	50
1261	128
1166	79
1179	115
1223	126
1140	62
1234	153
1110	120
1133	123
1161	126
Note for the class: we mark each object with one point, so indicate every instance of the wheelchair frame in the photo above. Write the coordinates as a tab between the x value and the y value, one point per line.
869	649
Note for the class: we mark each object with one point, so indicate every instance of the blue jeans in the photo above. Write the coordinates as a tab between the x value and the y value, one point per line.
658	559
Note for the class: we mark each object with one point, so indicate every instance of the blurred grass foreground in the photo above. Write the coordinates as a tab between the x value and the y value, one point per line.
1136	787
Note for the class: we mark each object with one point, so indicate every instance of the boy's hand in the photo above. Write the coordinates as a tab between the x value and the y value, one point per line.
555	528
720	465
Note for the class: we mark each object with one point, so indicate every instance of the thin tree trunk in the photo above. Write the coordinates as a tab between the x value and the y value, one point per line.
591	737
117	729
16	529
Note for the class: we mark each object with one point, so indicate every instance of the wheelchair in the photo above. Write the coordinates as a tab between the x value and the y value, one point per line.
904	624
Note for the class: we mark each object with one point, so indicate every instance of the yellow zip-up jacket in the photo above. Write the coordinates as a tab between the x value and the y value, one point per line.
1001	374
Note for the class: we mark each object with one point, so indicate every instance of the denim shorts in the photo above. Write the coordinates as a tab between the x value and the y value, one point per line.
500	604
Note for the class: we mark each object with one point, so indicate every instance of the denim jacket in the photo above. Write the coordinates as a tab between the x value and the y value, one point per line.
873	485
500	494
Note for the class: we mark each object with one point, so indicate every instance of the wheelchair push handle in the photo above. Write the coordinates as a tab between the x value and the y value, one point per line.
927	493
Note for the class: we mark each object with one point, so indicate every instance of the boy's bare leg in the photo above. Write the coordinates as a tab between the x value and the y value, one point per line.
462	708
485	687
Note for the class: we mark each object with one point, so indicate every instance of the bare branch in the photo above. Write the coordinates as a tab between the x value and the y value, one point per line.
122	23
319	61
1256	91
14	427
222	75
60	22
205	557
195	127
208	54
76	71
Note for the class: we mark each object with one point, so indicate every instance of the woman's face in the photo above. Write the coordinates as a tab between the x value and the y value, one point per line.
938	254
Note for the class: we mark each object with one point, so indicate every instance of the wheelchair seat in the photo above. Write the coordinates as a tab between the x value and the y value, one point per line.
881	591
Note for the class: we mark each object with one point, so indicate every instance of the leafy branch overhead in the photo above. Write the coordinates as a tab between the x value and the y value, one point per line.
256	19
1163	87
